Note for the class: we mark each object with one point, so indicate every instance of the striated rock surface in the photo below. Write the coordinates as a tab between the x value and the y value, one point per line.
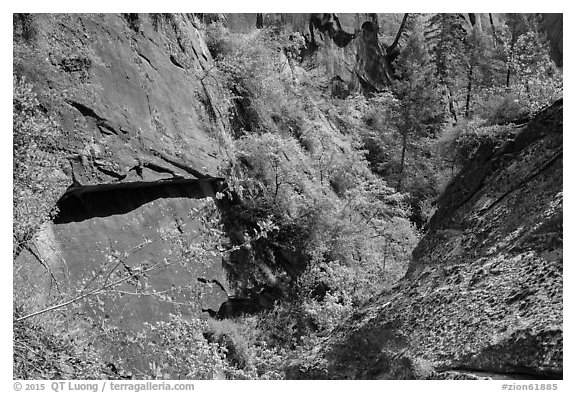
483	295
136	103
143	130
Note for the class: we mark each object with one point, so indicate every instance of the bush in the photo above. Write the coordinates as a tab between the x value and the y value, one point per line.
257	70
218	40
247	354
226	334
459	143
41	354
37	181
177	349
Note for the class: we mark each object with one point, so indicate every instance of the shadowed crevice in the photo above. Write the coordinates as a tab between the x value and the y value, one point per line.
80	203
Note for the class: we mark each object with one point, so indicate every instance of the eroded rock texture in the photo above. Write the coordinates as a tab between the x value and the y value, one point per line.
133	96
347	45
340	52
483	296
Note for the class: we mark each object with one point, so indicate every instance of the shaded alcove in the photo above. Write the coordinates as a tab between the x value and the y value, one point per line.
80	203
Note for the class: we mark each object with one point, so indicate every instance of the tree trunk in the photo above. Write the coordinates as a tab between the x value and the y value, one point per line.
259	21
451	106
403	158
511	56
469	90
494	35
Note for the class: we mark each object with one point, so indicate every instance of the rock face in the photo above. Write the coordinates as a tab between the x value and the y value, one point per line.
483	295
132	229
343	49
137	104
142	124
553	24
347	45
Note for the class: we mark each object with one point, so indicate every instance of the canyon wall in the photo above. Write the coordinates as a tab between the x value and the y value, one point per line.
483	295
144	136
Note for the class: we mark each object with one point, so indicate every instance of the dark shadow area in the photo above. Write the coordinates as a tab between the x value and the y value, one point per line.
102	200
256	299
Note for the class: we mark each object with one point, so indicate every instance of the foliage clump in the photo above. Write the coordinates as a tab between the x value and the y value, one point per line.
36	154
341	233
45	349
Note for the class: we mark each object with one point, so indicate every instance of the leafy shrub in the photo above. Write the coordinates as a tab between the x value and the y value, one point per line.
40	354
459	143
276	167
37	184
226	334
218	39
500	106
536	83
257	70
247	354
56	346
177	349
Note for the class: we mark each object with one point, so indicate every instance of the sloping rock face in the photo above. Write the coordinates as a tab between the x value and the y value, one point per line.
343	48
143	125
121	229
347	46
133	97
483	296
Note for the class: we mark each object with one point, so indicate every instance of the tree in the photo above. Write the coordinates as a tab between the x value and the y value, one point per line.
418	112
518	25
445	37
535	71
482	63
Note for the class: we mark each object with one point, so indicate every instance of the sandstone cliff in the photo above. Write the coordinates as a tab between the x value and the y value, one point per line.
131	95
144	136
483	296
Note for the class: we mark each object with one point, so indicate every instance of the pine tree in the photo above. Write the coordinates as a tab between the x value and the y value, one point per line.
484	63
445	37
416	88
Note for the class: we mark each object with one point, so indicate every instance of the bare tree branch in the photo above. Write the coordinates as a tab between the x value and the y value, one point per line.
80	297
44	264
